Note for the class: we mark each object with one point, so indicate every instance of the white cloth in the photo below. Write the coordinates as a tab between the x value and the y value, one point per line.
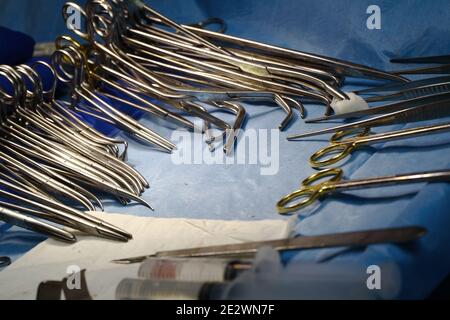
50	260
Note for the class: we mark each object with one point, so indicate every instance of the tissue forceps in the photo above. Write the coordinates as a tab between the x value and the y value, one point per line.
391	107
339	149
26	222
444	66
417	92
311	189
404	86
435	110
431	59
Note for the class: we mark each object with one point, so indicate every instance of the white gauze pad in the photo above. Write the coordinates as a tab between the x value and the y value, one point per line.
355	103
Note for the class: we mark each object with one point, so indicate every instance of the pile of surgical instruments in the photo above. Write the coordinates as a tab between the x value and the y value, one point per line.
51	162
138	57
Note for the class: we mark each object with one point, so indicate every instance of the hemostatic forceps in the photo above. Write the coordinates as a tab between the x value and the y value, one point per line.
192	64
46	155
442	65
24	221
66	58
310	191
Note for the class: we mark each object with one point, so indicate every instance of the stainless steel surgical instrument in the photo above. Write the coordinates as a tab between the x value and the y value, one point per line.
430	111
24	221
391	107
345	239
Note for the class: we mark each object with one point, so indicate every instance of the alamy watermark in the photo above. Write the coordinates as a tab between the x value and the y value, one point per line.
374	20
254	147
73	18
73	280
374	279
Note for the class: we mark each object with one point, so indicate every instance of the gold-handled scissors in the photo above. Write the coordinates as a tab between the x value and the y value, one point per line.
311	189
340	149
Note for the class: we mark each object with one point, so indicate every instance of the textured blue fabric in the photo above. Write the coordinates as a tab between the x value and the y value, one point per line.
15	47
335	28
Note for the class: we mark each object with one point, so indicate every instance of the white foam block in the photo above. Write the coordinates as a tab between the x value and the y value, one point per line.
355	103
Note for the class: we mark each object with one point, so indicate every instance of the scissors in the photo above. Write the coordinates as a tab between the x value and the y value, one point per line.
311	190
340	149
5	261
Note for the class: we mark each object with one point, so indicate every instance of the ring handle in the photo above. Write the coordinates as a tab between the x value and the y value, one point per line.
330	155
335	175
309	191
4	94
18	91
63	41
309	195
49	94
101	19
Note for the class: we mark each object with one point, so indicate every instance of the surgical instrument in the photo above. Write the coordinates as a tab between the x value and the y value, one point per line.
419	91
62	214
435	110
24	221
54	136
311	189
68	57
231	133
423	60
391	107
5	261
339	149
45	153
135	39
337	66
350	239
403	86
442	67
